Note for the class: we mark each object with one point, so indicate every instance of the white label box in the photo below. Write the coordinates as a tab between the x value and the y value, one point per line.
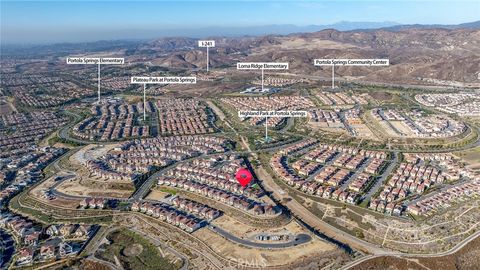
262	65
206	43
243	114
351	62
163	80
95	61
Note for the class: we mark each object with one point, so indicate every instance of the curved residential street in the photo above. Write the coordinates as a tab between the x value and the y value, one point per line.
299	239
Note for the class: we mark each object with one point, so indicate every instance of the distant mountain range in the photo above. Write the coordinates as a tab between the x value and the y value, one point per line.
470	25
419	54
285	29
281	29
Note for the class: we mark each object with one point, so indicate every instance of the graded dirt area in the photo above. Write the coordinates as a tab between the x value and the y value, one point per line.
85	184
157	195
38	193
466	258
245	231
6	107
381	96
90	189
400	126
265	257
363	131
471	156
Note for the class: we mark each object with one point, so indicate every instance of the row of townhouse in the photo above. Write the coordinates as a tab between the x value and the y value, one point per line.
340	99
35	243
355	151
90	129
21	138
69	231
195	208
298	146
269	103
305	167
278	81
464	104
445	198
130	166
352	116
27	169
94	203
113	121
332	176
349	161
102	171
203	144
272	103
387	115
375	166
324	184
121	109
331	118
52	250
117	83
221	180
279	164
184	117
135	157
36	101
360	183
408	179
169	214
436	126
390	208
320	155
237	201
156	151
24	79
452	167
260	121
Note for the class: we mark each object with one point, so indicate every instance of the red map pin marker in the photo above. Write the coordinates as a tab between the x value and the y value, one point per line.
243	176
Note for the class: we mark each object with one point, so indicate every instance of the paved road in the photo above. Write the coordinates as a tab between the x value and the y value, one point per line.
313	221
64	132
381	112
299	239
324	165
379	182
288	125
419	255
345	123
143	190
357	172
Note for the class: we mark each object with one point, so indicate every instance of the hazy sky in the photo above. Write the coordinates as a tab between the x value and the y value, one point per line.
58	21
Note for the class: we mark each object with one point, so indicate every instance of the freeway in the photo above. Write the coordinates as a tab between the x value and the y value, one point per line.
299	239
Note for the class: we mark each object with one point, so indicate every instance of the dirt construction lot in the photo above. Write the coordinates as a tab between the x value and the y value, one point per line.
264	257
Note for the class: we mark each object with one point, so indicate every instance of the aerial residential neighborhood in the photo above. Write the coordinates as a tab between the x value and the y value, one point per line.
212	135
